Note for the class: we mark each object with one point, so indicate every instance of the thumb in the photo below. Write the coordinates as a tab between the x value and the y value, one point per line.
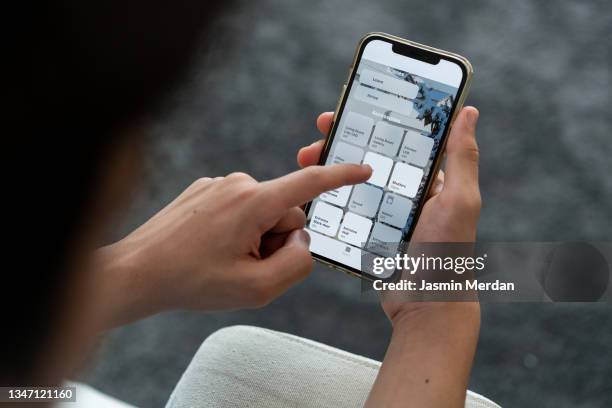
287	265
462	152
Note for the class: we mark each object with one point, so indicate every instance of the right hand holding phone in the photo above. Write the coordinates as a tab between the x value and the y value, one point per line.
452	209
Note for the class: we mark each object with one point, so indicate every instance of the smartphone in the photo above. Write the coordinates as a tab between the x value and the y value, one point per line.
394	113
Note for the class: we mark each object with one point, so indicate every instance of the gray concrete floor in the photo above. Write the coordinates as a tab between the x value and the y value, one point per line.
543	86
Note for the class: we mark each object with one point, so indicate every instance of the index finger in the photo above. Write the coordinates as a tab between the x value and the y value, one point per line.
304	185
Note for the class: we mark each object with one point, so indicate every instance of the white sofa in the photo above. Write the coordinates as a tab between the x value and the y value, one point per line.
243	366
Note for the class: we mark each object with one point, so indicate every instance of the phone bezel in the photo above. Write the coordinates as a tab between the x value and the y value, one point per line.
415	48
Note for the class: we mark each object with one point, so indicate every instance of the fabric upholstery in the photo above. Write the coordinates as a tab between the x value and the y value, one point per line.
243	366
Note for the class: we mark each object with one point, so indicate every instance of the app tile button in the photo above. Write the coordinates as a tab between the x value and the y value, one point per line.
395	210
388	83
357	128
365	200
325	218
338	196
346	153
405	179
384	240
381	167
386	139
416	148
355	229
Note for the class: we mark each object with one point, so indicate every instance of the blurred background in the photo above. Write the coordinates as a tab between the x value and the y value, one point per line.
542	84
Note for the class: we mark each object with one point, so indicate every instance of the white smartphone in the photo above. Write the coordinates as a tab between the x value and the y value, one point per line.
394	113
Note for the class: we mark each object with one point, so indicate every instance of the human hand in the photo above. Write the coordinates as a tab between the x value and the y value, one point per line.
435	340
452	207
224	243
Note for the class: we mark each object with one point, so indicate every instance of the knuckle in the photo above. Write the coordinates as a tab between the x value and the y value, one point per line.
316	172
242	186
247	192
240	176
464	203
199	183
472	153
202	181
299	217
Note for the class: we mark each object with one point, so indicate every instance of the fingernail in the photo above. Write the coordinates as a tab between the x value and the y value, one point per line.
471	116
367	167
299	237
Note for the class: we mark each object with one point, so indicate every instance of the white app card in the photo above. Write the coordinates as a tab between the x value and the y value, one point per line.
416	148
346	153
386	139
355	229
386	101
365	200
325	219
338	196
357	128
405	179
395	210
389	84
381	167
384	240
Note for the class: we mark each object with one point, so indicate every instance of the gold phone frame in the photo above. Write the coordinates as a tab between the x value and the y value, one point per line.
463	91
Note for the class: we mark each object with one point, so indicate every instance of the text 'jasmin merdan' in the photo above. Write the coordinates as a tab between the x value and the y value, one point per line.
412	264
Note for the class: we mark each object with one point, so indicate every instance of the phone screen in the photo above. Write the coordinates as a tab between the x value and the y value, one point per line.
394	117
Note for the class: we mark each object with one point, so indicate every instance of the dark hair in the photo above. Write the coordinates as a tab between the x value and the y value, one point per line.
77	71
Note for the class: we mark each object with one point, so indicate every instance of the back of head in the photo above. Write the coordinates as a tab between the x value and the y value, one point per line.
76	74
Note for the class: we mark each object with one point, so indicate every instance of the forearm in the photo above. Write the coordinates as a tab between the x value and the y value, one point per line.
429	358
124	288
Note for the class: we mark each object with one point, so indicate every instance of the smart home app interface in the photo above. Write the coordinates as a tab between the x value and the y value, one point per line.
393	120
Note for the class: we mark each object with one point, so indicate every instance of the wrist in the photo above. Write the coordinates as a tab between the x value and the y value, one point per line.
126	290
437	341
466	314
